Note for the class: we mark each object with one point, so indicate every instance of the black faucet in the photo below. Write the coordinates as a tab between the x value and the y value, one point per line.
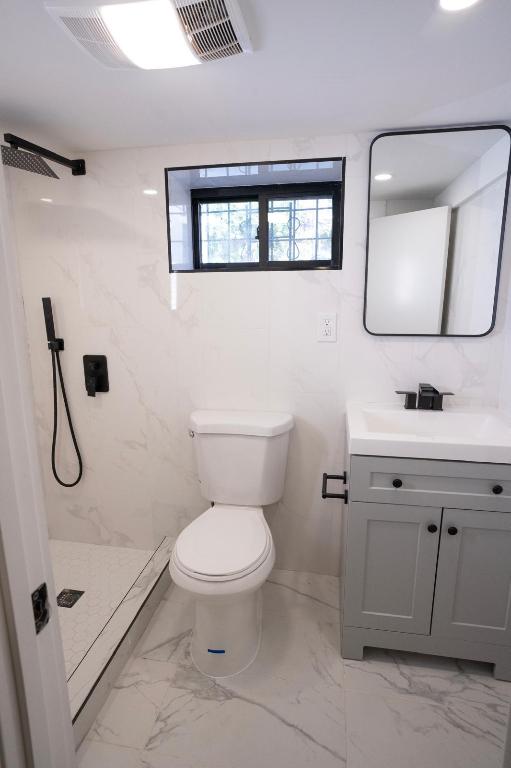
428	399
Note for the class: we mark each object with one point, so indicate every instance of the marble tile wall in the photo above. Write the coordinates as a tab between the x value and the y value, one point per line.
180	342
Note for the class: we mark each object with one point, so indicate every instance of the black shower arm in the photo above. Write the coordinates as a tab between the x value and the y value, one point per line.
77	166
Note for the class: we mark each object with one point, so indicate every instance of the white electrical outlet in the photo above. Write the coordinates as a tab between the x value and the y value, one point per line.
327	326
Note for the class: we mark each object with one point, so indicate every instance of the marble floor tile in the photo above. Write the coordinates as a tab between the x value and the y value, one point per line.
292	693
293	588
431	677
168	636
98	754
298	704
387	730
129	715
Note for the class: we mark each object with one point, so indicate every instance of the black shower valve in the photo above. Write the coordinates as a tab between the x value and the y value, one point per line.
96	374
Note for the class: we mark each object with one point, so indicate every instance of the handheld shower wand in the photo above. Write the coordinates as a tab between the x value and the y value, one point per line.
56	346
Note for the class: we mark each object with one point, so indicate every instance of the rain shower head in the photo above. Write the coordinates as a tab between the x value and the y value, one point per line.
32	158
26	161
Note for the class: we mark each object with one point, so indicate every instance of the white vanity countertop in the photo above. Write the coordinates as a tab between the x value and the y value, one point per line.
456	434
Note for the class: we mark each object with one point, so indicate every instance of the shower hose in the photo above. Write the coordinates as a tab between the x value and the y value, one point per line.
55	363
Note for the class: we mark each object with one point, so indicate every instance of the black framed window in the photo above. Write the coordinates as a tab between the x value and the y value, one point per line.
282	226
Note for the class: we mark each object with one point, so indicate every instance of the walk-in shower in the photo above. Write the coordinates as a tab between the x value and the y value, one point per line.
109	576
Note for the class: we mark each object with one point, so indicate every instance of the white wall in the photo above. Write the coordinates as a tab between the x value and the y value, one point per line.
477	196
475	256
205	340
406	276
392	207
180	215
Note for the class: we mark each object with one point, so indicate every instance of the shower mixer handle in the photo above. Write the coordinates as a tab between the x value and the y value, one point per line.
95	370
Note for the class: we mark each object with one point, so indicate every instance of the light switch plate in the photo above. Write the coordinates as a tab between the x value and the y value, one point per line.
327	326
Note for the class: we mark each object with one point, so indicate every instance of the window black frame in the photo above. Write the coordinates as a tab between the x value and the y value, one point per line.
261	193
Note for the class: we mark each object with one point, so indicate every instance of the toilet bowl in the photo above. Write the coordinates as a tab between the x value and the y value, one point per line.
226	554
223	558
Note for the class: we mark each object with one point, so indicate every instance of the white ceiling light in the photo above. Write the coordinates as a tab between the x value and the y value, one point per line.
46	200
149	33
456	5
383	177
150	192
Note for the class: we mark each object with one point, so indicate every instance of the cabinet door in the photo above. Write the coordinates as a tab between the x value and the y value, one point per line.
390	566
473	589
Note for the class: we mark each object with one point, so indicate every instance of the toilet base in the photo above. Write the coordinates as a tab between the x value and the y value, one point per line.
227	633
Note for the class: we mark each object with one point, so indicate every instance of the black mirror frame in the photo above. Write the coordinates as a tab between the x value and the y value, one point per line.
499	126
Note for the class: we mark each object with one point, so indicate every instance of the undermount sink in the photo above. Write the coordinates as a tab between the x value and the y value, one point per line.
482	434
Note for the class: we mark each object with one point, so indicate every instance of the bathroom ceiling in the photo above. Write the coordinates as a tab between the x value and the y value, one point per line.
423	165
318	68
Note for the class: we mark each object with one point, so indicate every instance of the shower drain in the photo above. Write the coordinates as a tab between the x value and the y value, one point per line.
68	597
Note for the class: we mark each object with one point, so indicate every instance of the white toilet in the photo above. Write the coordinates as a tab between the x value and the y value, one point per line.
224	556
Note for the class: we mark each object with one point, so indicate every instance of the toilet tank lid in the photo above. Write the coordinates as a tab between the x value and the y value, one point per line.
260	423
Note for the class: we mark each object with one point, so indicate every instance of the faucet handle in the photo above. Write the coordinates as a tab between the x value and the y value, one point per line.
410	398
438	401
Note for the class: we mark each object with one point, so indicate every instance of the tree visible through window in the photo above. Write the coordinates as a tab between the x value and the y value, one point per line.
228	232
267	227
300	229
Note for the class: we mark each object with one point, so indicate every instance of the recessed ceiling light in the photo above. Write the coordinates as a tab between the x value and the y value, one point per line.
46	200
456	5
383	177
149	33
150	191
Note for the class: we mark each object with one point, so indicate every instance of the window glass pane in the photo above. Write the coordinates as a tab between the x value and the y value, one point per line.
300	229
229	232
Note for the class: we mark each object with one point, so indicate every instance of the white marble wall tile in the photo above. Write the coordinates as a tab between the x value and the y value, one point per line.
206	341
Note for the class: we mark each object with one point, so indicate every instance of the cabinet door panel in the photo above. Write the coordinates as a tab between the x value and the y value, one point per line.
473	593
390	566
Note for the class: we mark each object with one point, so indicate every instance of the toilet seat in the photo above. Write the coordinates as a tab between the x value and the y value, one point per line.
223	544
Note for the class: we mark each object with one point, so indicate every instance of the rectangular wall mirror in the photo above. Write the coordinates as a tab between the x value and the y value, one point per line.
437	206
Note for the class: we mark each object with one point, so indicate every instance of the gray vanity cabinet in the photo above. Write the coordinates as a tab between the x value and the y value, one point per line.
390	566
473	596
428	578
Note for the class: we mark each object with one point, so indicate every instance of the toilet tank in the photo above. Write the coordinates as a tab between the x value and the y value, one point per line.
241	455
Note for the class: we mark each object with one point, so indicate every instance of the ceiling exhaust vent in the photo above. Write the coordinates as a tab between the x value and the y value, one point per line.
214	29
87	27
